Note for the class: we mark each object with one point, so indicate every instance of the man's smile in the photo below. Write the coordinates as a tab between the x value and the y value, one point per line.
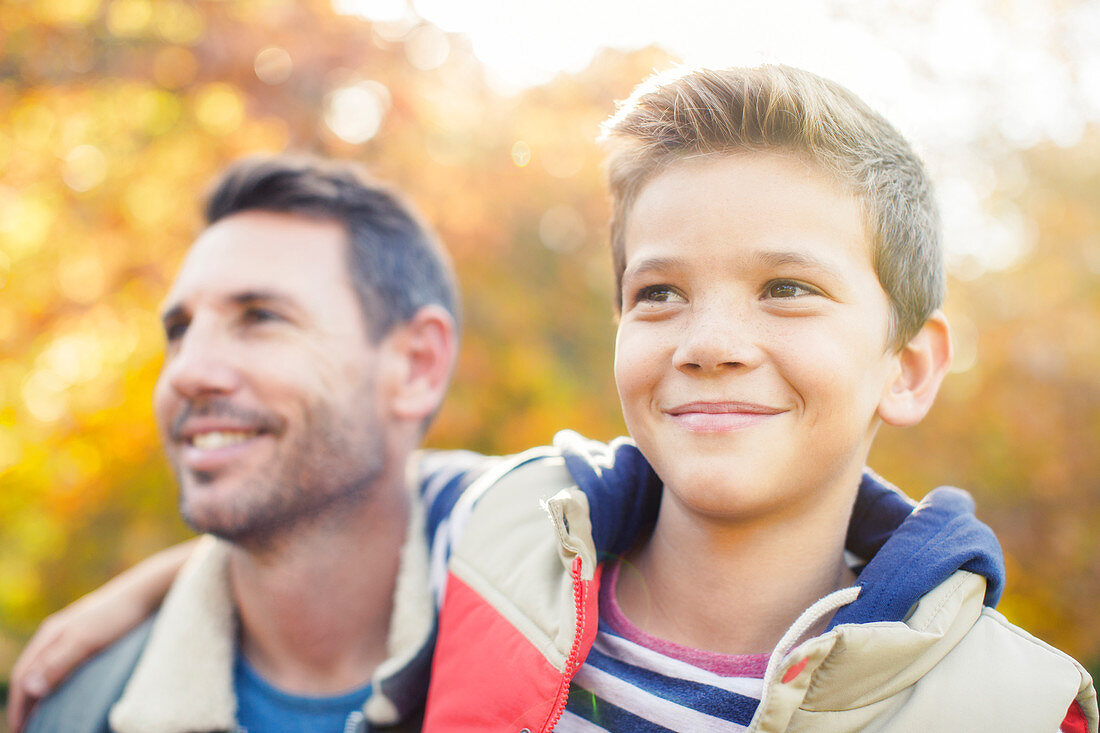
210	436
221	438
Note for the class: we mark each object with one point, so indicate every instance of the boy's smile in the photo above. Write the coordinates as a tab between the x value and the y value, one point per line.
753	351
717	417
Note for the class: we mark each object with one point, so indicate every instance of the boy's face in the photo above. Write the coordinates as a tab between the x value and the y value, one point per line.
752	352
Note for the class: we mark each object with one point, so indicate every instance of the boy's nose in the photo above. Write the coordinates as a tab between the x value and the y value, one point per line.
716	339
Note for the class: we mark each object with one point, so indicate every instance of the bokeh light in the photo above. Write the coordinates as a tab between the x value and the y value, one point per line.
66	12
129	17
427	47
177	21
355	112
81	277
273	65
44	396
85	168
562	229
219	108
521	153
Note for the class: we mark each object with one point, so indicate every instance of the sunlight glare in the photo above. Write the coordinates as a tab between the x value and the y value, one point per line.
383	10
427	47
952	75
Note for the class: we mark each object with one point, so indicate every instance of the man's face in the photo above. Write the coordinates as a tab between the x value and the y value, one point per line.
752	352
267	399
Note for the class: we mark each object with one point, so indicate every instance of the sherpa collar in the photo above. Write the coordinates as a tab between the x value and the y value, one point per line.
183	681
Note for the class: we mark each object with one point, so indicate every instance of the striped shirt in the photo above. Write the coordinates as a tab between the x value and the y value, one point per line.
632	681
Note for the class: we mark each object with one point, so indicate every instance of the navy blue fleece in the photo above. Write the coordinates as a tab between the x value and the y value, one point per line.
623	491
914	551
911	548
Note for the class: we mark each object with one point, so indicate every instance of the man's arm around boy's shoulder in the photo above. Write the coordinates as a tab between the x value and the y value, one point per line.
82	703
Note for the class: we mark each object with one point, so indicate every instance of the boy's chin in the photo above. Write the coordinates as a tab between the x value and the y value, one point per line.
720	498
736	497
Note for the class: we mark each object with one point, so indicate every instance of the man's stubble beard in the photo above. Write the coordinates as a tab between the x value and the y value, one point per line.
320	476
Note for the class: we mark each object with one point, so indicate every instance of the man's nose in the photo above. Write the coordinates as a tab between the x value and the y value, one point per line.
200	362
718	337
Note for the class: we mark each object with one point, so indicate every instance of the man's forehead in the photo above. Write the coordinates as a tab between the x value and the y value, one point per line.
263	252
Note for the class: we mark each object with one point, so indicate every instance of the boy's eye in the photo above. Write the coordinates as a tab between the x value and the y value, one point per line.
787	289
658	294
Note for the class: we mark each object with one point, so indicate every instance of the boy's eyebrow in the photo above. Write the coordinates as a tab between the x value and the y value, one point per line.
763	259
777	259
650	264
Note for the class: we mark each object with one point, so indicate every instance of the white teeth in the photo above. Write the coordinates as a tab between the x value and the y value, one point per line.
220	438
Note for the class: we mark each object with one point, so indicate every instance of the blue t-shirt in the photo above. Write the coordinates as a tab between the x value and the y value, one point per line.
262	708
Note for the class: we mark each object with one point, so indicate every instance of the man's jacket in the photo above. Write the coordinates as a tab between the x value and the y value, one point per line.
174	673
915	646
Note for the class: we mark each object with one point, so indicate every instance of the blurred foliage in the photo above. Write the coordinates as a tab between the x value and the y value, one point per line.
1020	426
115	115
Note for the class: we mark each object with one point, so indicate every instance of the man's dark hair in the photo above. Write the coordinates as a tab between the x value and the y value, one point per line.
396	264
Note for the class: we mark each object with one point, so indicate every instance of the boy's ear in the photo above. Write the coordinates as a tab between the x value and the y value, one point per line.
422	357
921	366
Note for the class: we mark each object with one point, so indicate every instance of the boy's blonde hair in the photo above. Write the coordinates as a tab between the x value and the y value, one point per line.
715	112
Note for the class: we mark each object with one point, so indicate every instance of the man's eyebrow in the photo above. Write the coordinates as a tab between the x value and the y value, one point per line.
251	297
173	314
179	312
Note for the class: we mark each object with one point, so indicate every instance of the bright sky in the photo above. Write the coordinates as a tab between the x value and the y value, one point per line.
966	80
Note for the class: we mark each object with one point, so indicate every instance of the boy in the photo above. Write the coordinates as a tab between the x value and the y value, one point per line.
777	251
780	274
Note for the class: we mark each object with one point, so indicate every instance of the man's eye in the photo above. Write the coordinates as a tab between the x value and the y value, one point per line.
658	294
260	315
174	331
787	289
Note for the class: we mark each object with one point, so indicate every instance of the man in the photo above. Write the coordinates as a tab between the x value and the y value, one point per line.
311	334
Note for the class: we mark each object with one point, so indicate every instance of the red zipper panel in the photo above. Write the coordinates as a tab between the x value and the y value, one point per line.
573	662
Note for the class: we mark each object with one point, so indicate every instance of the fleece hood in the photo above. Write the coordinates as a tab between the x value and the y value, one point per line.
909	547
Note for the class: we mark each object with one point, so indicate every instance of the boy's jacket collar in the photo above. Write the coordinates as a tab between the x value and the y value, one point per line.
914	548
910	548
